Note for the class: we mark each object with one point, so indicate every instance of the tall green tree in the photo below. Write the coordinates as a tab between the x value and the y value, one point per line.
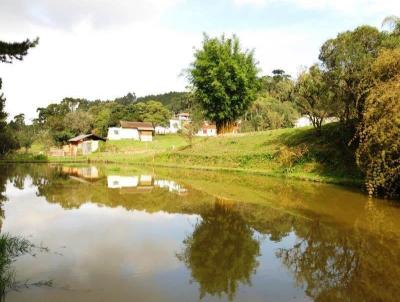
225	80
8	53
347	60
314	97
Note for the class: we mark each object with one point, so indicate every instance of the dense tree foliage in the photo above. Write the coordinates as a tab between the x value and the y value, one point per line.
347	60
358	83
24	134
174	101
314	97
378	153
269	113
274	107
279	85
225	80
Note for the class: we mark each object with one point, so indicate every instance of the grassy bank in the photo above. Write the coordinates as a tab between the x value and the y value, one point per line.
292	153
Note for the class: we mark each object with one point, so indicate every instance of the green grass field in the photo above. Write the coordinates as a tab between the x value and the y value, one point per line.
293	153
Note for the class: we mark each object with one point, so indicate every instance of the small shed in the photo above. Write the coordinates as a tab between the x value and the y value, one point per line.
83	144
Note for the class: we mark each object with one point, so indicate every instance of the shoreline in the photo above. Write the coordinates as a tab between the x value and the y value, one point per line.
357	183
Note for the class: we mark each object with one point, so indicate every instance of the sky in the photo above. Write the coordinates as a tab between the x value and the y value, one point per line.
106	48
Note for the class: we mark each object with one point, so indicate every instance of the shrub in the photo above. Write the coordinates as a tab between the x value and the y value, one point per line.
288	157
41	157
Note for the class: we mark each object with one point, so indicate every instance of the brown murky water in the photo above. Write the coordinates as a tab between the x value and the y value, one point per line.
121	234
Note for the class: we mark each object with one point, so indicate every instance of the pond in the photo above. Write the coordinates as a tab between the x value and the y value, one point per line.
120	233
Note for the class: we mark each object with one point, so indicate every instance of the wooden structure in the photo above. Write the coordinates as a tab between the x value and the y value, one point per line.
82	144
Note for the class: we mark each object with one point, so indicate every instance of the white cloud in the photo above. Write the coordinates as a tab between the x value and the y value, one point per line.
87	63
348	7
78	58
65	14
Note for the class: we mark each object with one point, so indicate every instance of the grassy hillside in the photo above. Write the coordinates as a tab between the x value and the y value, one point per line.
297	153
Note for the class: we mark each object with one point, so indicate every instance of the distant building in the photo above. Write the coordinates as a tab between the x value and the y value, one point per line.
175	124
82	144
207	129
139	131
184	116
305	121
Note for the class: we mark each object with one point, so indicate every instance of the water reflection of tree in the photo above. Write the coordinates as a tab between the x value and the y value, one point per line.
336	264
221	253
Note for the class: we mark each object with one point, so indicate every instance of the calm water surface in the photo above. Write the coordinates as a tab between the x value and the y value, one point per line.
121	234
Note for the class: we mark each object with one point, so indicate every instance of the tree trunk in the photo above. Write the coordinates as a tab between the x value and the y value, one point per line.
225	127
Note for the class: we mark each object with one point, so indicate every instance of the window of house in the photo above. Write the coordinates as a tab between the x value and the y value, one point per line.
116	132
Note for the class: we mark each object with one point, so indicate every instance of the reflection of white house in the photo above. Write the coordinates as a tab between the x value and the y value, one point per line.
88	173
172	186
142	181
119	182
132	130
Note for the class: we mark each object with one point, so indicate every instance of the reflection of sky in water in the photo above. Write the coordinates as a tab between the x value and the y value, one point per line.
111	254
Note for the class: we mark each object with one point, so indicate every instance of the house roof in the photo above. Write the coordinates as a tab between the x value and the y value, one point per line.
208	126
84	137
137	125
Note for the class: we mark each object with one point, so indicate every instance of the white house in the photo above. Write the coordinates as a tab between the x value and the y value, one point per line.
207	129
132	130
305	121
175	124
